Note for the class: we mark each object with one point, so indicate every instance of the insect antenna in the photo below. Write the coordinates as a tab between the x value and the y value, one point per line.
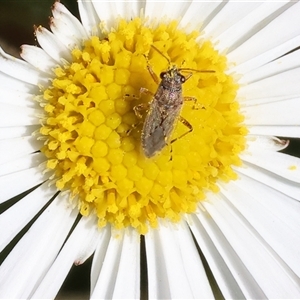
182	69
195	70
161	54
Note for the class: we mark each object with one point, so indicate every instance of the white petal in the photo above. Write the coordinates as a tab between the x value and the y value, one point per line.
51	45
166	10
86	249
99	256
283	112
199	14
74	27
265	100
127	283
16	183
12	115
237	22
281	29
15	132
119	274
59	8
128	9
158	281
290	131
21	270
193	266
64	34
105	283
38	58
21	70
282	84
280	206
266	142
275	181
235	264
23	211
270	272
85	232
269	212
171	246
283	165
89	17
17	98
17	147
226	19
282	64
266	57
11	83
107	12
22	163
67	28
225	280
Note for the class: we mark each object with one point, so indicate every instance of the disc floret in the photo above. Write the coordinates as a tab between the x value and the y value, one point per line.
93	135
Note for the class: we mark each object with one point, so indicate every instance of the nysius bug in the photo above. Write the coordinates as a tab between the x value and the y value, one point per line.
164	108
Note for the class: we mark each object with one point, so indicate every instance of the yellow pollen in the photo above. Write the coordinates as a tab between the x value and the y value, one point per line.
292	168
94	135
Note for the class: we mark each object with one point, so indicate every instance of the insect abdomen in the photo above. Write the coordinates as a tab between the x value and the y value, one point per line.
153	142
157	130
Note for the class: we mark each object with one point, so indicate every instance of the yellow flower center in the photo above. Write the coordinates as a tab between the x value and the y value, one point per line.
94	135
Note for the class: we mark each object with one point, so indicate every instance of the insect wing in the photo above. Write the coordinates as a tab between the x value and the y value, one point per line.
157	129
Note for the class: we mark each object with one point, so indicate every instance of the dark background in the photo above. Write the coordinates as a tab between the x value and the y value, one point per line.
17	18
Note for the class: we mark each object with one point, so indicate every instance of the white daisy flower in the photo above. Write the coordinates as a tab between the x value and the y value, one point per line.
214	212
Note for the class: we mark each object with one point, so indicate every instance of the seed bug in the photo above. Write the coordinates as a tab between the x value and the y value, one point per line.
164	108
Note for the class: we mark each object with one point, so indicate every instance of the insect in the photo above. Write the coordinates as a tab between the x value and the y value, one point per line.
164	108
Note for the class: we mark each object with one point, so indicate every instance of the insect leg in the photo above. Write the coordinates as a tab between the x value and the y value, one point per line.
195	104
153	75
138	112
126	97
146	91
187	124
188	76
142	106
139	108
142	91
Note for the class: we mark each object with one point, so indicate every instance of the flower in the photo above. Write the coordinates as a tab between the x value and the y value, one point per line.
71	123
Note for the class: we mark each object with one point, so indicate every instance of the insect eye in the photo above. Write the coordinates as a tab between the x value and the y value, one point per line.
163	75
182	78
